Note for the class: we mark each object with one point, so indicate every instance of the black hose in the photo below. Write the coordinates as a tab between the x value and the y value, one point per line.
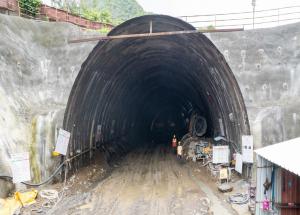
39	184
51	176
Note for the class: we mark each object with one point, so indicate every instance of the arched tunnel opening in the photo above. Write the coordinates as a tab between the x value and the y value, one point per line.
138	92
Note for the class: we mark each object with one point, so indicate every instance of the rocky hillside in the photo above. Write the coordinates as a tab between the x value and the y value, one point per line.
121	10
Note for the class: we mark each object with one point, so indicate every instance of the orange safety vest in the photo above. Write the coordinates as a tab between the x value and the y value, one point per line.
174	142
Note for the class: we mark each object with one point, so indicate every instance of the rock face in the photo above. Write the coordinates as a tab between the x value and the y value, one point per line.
37	70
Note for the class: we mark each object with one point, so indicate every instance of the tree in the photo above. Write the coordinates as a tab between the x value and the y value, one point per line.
105	17
30	7
97	15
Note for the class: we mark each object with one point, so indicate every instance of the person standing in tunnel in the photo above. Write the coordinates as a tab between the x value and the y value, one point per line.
174	144
179	151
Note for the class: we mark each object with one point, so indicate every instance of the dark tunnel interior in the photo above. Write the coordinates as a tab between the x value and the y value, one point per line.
134	91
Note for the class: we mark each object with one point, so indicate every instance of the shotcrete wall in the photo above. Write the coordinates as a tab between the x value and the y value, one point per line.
38	68
266	64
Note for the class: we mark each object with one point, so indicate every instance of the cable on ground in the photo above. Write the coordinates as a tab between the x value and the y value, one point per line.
238	198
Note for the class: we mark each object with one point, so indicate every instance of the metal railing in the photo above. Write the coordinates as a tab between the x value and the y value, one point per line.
49	13
10	5
56	14
247	19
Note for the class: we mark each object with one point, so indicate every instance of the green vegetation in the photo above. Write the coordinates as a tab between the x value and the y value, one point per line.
96	15
209	27
30	7
104	30
121	10
107	11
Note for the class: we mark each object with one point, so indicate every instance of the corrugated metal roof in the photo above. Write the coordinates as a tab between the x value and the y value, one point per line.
285	154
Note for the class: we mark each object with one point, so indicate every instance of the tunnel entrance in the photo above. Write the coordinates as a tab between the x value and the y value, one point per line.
134	91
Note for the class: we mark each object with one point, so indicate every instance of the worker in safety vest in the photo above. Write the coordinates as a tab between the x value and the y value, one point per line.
174	144
179	150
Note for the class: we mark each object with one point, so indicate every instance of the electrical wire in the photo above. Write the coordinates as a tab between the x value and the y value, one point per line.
51	176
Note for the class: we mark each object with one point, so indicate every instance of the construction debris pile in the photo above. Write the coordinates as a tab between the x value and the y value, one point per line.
223	159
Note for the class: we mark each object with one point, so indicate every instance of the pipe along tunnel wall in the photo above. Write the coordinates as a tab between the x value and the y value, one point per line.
139	90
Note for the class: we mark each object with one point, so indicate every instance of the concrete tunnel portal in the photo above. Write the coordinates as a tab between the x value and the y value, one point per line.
133	91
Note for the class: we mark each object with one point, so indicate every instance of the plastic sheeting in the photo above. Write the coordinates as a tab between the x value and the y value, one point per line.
284	154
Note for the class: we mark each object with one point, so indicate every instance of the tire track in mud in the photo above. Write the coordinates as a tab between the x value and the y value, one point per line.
149	181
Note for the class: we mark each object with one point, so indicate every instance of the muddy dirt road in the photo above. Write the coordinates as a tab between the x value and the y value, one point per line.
150	181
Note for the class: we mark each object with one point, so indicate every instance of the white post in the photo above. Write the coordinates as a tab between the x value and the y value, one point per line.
278	14
253	6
